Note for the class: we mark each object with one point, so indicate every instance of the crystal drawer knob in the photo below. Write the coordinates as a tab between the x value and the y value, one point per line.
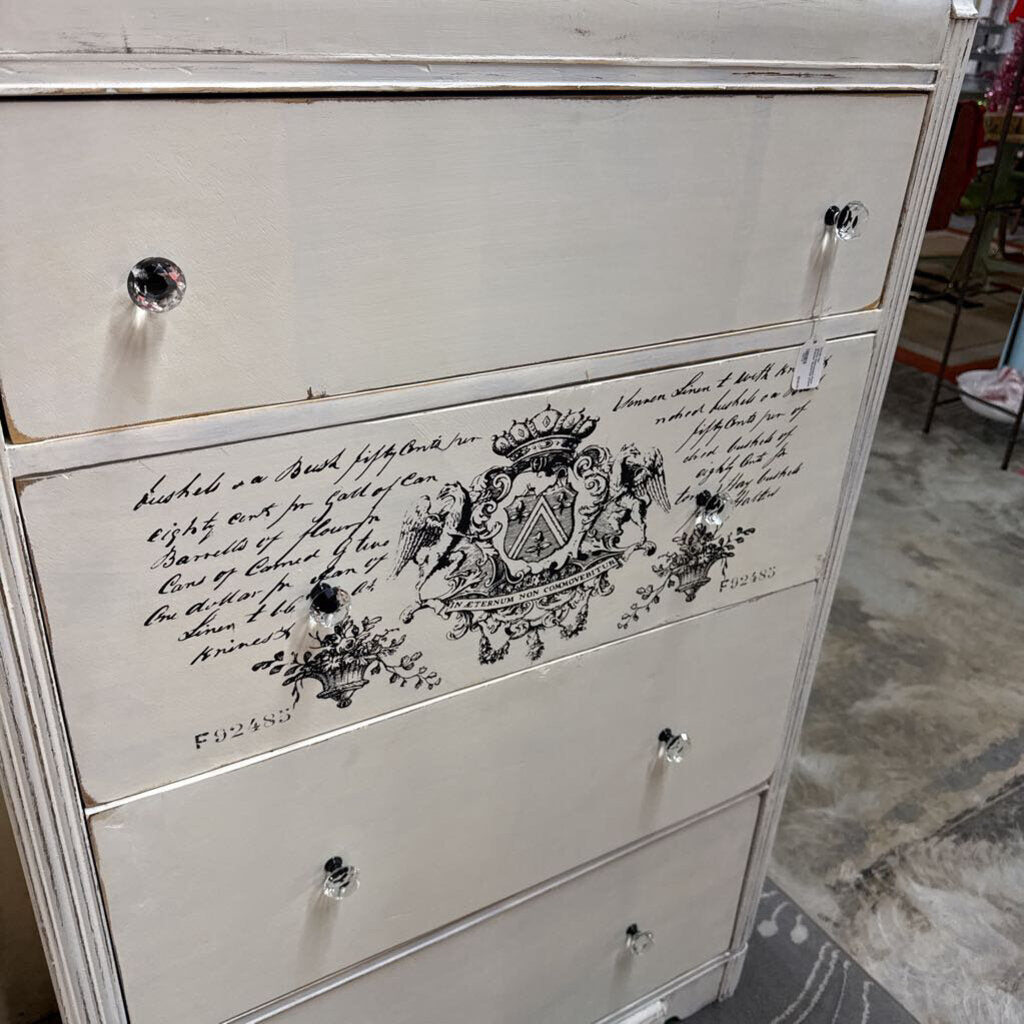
340	879
846	221
328	606
673	745
156	284
638	942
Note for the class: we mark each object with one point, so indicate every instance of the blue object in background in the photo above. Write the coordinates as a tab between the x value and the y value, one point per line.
1013	350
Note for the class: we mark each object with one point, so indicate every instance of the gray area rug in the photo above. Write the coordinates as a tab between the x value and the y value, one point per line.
903	832
795	974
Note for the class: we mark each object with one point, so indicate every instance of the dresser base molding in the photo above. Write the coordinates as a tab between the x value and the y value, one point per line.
686	994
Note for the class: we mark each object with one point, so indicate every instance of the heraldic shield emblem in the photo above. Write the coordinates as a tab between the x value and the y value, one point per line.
539	523
524	548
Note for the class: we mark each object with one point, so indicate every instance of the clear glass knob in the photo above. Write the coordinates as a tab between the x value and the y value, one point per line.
846	221
156	284
328	606
674	745
340	879
638	942
709	508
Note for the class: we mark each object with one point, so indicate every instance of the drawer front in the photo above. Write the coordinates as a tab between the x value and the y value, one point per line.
909	31
561	957
332	246
442	811
475	541
232	900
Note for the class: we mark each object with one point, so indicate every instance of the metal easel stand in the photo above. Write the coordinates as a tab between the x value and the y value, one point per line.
988	209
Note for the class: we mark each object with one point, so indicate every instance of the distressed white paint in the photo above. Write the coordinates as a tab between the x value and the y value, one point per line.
32	76
391	242
254	866
827	30
152	648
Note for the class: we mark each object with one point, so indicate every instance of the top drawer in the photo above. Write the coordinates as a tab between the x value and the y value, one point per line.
813	30
338	245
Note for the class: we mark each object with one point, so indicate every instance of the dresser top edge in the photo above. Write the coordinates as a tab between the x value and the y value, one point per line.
887	31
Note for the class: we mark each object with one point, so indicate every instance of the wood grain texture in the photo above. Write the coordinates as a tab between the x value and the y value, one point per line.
385	242
827	30
180	897
167	580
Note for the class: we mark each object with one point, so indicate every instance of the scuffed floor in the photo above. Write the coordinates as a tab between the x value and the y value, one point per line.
904	826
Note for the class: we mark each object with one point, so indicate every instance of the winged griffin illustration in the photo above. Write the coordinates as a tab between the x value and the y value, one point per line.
524	548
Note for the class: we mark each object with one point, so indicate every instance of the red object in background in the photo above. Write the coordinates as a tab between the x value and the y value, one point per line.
960	164
1017	13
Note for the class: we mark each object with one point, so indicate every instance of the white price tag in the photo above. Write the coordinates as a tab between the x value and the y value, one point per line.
809	363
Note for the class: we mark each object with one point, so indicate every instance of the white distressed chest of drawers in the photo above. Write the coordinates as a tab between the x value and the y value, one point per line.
411	599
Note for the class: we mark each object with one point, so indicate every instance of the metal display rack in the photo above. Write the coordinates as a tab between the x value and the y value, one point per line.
1006	147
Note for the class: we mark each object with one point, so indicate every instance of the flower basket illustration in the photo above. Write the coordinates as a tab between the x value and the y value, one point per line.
340	685
689	581
686	568
345	660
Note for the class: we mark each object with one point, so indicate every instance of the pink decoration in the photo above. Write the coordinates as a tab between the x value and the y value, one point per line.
998	97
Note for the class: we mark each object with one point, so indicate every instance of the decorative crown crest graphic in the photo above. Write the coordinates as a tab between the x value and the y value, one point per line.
546	434
526	546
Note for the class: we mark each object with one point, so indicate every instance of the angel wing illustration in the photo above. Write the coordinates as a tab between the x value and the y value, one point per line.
428	535
421	530
642	474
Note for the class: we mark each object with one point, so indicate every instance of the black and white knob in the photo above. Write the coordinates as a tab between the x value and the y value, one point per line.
638	941
673	746
340	879
328	605
156	284
847	221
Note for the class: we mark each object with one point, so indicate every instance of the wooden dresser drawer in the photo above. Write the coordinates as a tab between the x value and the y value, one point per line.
561	958
336	245
475	541
443	810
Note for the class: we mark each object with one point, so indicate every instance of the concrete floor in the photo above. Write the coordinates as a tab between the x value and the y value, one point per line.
904	827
